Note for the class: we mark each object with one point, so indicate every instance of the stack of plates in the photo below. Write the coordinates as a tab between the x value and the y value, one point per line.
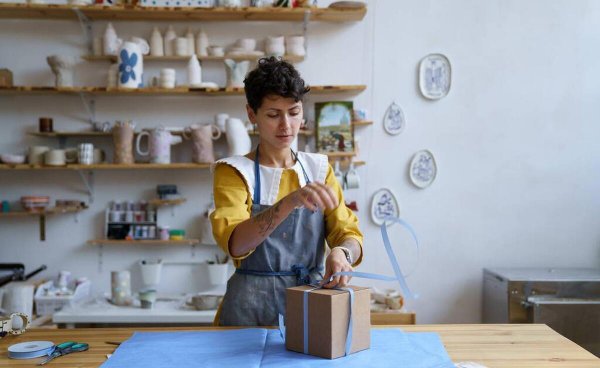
35	203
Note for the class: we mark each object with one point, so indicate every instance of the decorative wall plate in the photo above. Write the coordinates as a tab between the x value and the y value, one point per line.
423	169
394	121
383	204
435	76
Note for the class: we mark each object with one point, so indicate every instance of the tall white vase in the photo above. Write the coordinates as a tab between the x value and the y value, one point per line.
236	72
194	72
202	43
156	43
169	41
238	138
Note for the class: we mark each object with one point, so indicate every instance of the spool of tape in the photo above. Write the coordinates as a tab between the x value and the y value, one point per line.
30	349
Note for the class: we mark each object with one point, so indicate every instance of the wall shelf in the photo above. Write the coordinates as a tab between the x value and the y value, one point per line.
137	166
150	58
124	12
178	91
91	134
167	202
362	123
143	242
42	215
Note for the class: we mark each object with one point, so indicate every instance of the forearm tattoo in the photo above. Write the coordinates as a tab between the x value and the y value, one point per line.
266	220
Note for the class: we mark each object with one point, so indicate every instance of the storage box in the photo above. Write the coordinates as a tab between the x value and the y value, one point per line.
45	304
328	312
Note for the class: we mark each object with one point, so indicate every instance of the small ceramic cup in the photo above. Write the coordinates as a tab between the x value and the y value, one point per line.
181	46
36	154
55	157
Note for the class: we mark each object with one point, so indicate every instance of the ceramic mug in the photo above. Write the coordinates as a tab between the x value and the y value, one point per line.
99	156
6	324
352	179
36	154
85	153
55	157
220	120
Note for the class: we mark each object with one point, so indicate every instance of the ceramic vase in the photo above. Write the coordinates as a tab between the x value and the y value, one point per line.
191	45
110	40
62	67
168	44
194	72
156	43
236	72
238	138
123	142
202	43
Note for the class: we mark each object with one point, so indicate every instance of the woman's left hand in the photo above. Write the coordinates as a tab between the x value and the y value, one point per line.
337	262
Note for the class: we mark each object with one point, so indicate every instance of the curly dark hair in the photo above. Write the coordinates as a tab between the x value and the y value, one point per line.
273	76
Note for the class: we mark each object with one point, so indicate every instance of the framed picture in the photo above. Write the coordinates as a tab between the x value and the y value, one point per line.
334	126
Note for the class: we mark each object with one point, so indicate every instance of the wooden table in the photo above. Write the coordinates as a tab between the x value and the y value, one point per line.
512	345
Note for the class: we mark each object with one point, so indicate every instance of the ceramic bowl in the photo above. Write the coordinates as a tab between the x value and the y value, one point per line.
205	302
8	158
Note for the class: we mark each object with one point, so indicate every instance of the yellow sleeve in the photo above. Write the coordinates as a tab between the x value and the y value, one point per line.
232	206
341	223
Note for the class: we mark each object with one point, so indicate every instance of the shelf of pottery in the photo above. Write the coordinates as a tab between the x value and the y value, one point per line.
125	78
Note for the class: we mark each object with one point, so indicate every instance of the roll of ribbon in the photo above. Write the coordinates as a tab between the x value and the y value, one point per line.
30	349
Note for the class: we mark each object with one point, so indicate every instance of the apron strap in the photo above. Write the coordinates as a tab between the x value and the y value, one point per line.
301	272
257	174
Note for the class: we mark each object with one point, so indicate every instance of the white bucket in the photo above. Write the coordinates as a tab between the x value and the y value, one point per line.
151	271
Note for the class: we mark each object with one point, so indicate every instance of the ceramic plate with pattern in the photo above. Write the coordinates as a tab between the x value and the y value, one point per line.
423	169
383	204
435	76
394	121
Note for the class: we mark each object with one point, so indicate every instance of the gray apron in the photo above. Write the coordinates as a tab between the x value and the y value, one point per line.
292	255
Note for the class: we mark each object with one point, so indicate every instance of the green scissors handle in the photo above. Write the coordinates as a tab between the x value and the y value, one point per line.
64	349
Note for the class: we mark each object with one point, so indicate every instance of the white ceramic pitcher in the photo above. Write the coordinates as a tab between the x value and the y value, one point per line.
160	141
131	62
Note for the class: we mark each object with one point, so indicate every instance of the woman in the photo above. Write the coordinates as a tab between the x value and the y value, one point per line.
275	208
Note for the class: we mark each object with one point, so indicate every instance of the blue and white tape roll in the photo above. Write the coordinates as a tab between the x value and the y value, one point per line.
30	349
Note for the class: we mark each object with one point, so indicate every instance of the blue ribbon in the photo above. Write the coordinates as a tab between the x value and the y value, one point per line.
392	257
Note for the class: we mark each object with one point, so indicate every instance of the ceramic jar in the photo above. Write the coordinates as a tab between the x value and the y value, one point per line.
202	43
156	43
170	36
62	67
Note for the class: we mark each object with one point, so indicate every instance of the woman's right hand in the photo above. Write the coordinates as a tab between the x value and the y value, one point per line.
314	196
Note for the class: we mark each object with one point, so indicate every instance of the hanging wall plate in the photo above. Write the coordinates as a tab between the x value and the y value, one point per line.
423	169
435	76
394	121
383	204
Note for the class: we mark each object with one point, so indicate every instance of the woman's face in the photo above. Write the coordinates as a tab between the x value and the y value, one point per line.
278	120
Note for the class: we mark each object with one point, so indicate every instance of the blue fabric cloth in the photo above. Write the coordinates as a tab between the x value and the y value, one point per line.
265	348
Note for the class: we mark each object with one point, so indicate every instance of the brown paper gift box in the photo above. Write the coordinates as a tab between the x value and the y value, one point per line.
328	311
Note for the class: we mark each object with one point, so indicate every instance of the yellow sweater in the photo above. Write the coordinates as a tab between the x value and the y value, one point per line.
233	205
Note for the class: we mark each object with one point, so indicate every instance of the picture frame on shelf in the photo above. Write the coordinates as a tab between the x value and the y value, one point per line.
334	126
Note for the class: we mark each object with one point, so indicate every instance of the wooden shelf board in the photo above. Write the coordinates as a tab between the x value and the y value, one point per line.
138	166
46	212
167	202
178	91
150	58
339	154
143	241
362	122
125	12
65	134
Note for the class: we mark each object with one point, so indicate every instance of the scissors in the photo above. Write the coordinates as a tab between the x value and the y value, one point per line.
64	349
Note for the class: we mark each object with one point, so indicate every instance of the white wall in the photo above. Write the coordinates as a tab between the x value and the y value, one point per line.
515	142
